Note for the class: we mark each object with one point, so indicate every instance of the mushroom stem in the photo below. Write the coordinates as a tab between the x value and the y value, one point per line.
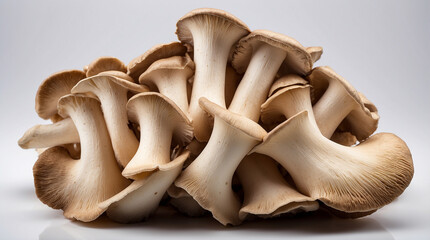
357	179
124	142
42	136
255	84
332	108
77	186
175	90
159	120
112	93
266	191
208	178
212	33
155	140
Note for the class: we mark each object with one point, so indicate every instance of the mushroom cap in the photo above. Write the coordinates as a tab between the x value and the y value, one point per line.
269	113
52	89
206	14
183	131
360	122
117	74
315	53
350	179
87	84
287	81
141	198
177	63
235	120
103	64
140	64
298	59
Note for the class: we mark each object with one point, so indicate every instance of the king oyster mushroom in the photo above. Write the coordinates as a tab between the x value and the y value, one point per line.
160	120
112	93
78	186
210	34
349	179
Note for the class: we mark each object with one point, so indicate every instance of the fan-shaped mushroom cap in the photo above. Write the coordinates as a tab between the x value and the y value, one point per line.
210	34
140	64
52	89
297	57
208	178
267	194
160	120
112	92
315	53
361	121
142	197
203	17
287	81
349	179
103	64
117	74
288	96
169	76
78	186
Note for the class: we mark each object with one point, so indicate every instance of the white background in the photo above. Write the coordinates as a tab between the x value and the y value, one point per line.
381	47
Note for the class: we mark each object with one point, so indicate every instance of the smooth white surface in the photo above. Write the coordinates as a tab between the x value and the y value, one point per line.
381	47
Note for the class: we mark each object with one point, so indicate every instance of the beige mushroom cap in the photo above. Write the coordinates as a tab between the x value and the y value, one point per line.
52	89
175	63
367	176
286	81
298	59
142	197
205	14
77	186
103	64
87	84
360	122
315	53
140	64
117	74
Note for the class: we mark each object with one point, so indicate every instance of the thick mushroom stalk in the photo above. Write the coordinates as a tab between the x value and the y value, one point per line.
78	186
160	120
212	33
349	179
170	76
142	197
330	90
112	93
265	51
267	194
49	135
208	178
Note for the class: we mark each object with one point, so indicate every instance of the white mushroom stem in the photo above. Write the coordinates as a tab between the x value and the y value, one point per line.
77	186
255	84
349	179
112	93
142	197
208	178
159	118
212	40
42	136
333	107
266	192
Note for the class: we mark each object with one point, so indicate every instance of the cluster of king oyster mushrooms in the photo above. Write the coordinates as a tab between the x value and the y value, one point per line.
227	120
